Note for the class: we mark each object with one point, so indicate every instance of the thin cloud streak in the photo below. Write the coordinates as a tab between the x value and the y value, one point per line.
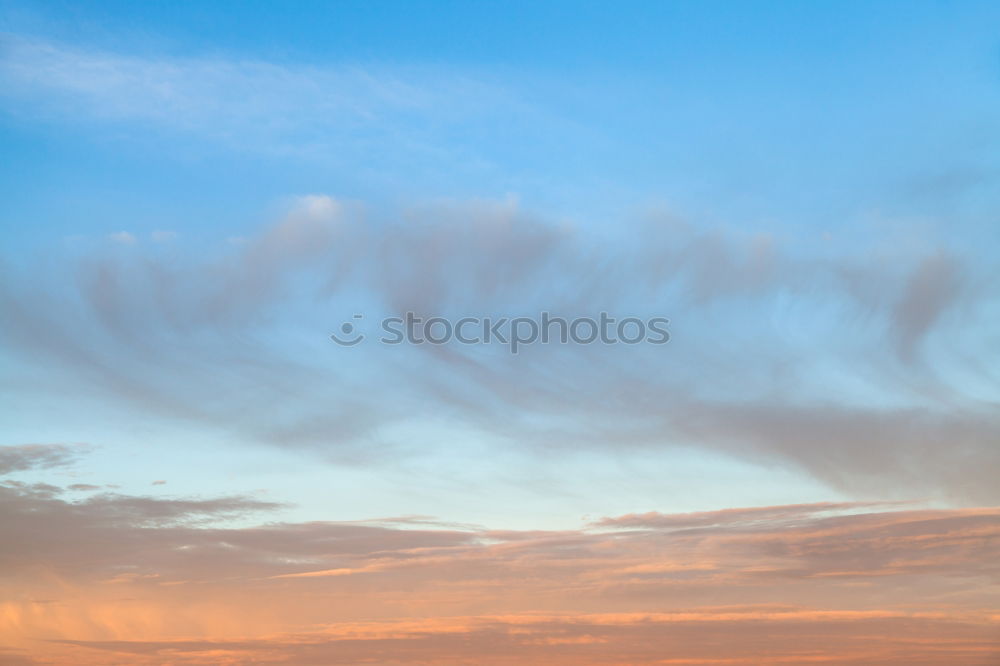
299	110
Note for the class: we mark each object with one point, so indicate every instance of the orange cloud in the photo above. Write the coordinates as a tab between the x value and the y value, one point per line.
122	579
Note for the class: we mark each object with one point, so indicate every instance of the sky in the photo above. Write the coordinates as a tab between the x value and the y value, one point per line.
197	196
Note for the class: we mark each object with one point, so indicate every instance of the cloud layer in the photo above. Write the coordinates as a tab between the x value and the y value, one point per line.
153	580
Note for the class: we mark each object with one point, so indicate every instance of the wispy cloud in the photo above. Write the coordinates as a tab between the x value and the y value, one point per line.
189	335
327	112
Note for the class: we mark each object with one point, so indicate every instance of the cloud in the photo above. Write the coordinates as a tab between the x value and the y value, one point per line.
857	448
102	532
689	639
169	579
123	237
237	339
930	290
325	113
16	658
771	515
22	457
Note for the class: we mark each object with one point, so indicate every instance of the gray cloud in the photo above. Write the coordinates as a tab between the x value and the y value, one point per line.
759	330
771	515
861	450
21	457
930	290
111	533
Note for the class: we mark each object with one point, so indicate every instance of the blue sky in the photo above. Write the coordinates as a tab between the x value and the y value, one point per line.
195	196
